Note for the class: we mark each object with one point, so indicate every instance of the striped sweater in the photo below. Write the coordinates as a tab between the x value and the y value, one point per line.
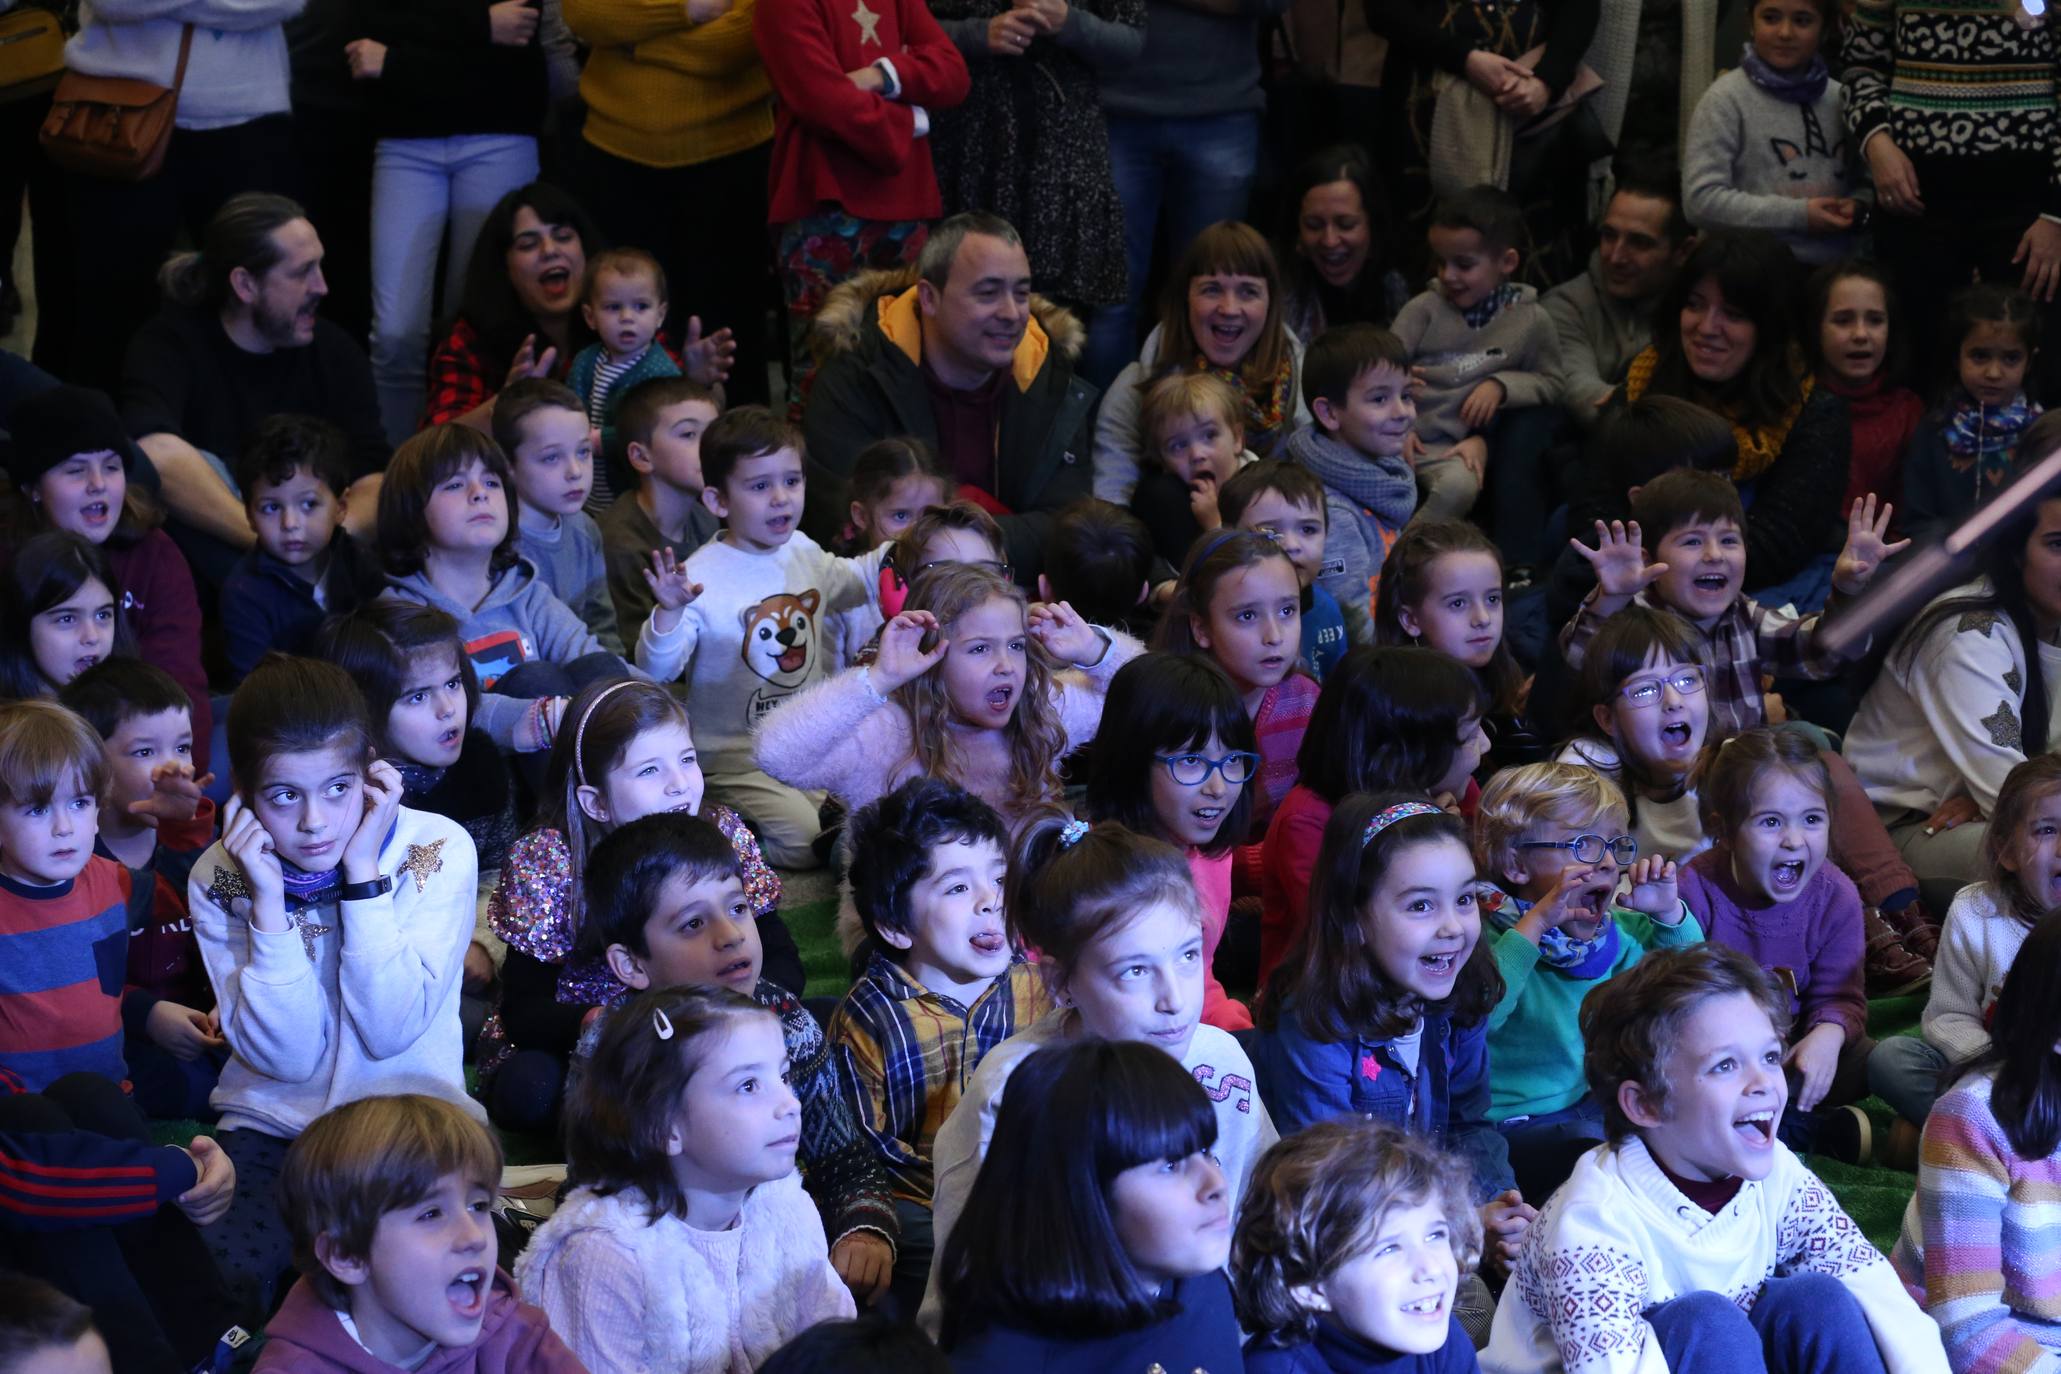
1977	1247
63	953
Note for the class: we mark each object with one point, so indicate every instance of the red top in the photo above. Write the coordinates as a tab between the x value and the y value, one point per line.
164	611
1883	420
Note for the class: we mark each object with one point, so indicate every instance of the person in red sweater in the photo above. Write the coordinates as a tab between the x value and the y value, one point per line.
1859	352
852	186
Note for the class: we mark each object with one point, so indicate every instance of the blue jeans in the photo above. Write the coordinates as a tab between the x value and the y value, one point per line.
1904	1071
425	190
1802	1324
1175	177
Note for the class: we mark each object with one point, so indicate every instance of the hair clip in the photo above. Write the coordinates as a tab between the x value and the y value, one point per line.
1389	815
1070	833
661	1023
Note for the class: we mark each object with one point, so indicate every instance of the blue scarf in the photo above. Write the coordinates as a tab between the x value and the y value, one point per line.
305	889
1488	307
1986	440
1581	960
1806	87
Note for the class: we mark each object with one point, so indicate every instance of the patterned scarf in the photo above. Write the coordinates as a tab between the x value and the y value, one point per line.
1488	307
1578	959
1806	87
1268	403
1759	446
1986	440
305	889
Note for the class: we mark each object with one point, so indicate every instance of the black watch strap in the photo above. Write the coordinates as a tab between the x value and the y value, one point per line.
360	892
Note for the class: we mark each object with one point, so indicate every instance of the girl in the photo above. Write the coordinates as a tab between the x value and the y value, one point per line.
1221	314
1172	760
626	753
1338	256
447	540
893	481
1398	719
1117	925
334	923
1764	149
1096	1234
959	532
1859	353
686	1243
1349	1253
967	686
1967	448
64	615
1239	602
1764	888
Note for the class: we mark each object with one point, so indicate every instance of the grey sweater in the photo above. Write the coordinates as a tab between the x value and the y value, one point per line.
1598	336
569	562
1751	161
1194	64
1517	347
1367	501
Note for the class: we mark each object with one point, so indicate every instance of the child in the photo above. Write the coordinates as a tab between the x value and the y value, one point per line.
447	539
625	304
1552	835
1389	720
1194	429
942	985
958	532
389	1201
893	481
666	907
334	923
542	428
156	824
293	474
1172	760
660	424
1966	449
1763	887
1349	1253
64	615
1357	382
1096	1234
1479	345
1099	560
1117	926
1859	351
743	619
1286	503
1767	146
627	753
987	705
686	1243
1694	1239
43	1330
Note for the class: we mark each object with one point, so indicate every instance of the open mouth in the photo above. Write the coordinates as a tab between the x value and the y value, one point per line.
989	942
1757	1129
1227	334
1428	1309
467	1293
1713	584
1208	815
450	737
94	512
1440	965
792	660
736	971
85	661
1786	876
999	698
779	524
2054	889
1676	734
1274	663
555	280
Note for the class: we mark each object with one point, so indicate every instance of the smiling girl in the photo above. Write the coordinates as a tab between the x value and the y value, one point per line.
1338	249
1966	449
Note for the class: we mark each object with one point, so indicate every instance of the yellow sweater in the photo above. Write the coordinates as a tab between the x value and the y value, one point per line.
666	93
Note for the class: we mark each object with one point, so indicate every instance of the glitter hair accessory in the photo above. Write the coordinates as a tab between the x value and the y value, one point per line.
1389	815
1070	833
580	733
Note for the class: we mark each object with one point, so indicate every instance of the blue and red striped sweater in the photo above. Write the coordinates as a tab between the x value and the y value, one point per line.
64	954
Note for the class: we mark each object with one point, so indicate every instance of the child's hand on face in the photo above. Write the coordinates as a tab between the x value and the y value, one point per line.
1815	1059
383	790
1867	546
1067	637
1504	1220
1202	501
175	794
901	657
1619	560
708	359
1482	403
181	1032
865	1262
1569	900
250	844
669	583
208	1199
1654	889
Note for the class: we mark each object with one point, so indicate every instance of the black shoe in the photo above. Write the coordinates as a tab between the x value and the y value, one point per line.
1845	1135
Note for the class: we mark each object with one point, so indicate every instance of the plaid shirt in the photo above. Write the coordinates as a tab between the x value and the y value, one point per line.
1748	642
460	377
908	1054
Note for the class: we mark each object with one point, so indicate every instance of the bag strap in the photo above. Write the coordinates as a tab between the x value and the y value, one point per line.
185	51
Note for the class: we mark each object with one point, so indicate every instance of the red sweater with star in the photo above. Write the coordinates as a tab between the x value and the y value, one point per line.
834	144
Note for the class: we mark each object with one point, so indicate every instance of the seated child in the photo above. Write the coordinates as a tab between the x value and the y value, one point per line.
666	908
293	474
1479	345
1693	1239
1193	424
872	1344
1099	560
543	429
1286	503
624	303
1966	448
954	532
42	1329
1552	836
1356	378
660	424
64	613
1349	1252
942	985
893	481
686	1242
389	1201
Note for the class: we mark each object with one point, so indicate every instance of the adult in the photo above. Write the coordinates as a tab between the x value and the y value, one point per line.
1030	143
1184	140
1337	248
240	339
1604	318
964	357
232	133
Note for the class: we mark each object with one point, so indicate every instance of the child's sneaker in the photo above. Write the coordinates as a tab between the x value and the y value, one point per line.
1893	970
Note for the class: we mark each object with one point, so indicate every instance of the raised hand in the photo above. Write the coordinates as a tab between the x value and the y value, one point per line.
175	793
1867	545
1619	559
901	657
250	844
383	788
1654	889
708	358
528	364
1067	637
668	580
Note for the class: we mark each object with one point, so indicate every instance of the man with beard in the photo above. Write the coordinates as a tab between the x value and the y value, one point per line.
238	341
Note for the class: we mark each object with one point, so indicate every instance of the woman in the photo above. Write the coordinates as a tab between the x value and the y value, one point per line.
1337	246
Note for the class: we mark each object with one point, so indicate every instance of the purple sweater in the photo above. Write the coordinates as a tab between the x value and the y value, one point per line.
1812	945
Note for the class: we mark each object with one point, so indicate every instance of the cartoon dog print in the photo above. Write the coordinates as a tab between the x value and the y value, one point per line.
779	637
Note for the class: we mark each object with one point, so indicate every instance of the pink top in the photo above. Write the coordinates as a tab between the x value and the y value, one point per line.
1213	885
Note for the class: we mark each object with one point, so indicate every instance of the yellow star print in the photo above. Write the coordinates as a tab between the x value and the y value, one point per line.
423	860
869	25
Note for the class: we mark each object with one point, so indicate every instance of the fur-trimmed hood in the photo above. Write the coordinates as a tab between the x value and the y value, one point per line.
877	299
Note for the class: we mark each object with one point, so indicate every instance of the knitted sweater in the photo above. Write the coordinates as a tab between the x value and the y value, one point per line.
1618	1238
235	72
1753	159
1883	418
1367	501
1976	947
63	950
1519	347
567	557
664	91
1976	1246
636	1295
1598	337
1278	727
1812	945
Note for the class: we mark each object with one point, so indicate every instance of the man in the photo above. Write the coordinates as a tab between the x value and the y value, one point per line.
240	340
966	359
1604	317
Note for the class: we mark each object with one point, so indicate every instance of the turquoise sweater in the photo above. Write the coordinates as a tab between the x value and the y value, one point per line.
1535	1043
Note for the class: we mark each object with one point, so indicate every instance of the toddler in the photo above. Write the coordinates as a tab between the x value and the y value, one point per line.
625	304
1194	428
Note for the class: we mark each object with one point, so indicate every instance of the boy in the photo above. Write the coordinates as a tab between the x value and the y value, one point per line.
744	618
942	984
1286	504
1478	343
155	825
293	475
1694	1240
666	907
544	431
388	1200
625	303
660	425
1356	382
1099	560
44	1332
1194	427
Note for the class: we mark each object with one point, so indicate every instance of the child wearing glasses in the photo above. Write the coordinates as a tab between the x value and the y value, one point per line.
1553	837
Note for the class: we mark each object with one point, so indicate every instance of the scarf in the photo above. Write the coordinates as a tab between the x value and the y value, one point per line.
1268	402
1488	307
1986	440
1806	87
1384	488
1759	446
1582	960
305	889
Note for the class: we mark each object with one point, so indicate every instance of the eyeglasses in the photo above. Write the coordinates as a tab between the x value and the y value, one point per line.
1685	681
1001	570
1589	849
1193	770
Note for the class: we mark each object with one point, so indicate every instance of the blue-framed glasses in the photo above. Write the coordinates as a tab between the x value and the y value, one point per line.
1193	770
1590	849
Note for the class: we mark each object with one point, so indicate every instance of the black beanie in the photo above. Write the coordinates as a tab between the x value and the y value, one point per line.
52	426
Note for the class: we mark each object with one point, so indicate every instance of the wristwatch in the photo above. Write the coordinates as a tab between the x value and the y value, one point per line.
365	892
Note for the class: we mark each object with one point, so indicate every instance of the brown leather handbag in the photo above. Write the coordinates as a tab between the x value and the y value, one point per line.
114	126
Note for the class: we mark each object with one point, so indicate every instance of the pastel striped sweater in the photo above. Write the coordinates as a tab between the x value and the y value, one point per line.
1981	1241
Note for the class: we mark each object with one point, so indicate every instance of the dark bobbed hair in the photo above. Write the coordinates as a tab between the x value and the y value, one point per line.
291	705
892	839
2026	1097
1405	579
1387	719
378	643
630	868
418	466
119	688
1755	271
48	568
488	302
870	1344
1161	703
